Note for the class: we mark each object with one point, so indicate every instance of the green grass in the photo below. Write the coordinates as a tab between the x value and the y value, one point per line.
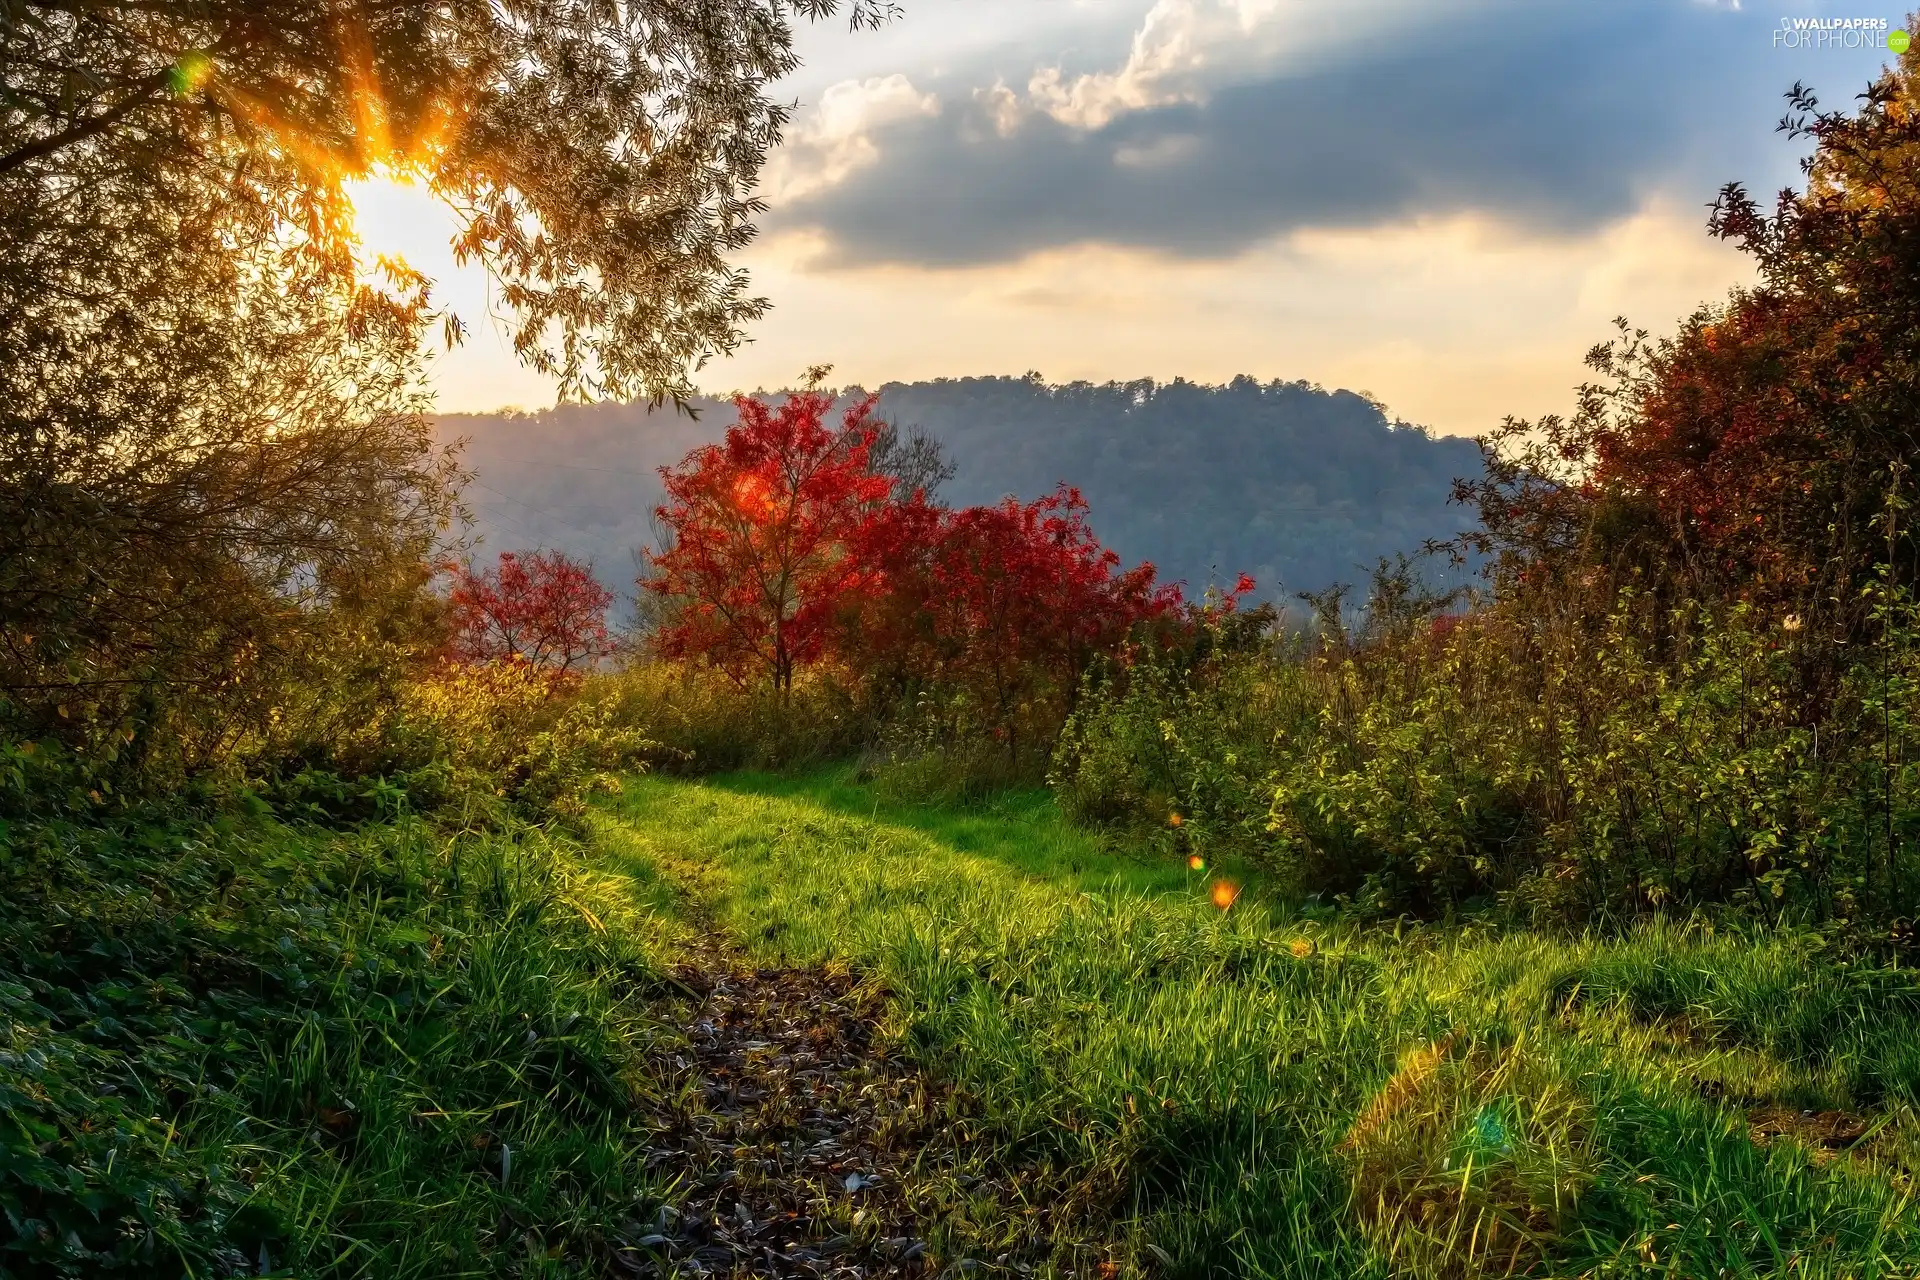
1266	1092
232	1046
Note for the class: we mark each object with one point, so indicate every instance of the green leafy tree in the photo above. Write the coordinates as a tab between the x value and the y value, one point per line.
214	468
602	155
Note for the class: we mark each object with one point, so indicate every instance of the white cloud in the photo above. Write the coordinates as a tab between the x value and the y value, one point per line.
1002	106
1185	49
835	140
1180	45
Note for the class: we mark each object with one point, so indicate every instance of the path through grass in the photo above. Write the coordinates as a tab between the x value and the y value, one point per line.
1257	1091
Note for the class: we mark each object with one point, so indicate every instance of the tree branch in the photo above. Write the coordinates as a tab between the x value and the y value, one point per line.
86	128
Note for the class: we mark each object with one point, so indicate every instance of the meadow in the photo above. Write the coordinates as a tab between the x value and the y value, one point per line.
242	1044
914	887
1265	1090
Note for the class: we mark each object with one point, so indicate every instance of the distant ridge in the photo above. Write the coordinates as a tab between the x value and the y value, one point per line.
1293	483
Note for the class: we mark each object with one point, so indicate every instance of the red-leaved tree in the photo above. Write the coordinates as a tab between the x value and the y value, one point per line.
788	547
769	536
1003	604
540	607
1022	596
1766	450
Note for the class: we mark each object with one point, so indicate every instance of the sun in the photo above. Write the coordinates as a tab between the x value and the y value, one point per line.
385	203
397	217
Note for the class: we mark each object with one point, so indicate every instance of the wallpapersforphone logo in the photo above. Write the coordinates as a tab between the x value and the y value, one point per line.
1840	33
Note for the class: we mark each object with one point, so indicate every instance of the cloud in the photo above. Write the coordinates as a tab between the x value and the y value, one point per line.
837	139
1233	121
1454	320
1185	49
1179	44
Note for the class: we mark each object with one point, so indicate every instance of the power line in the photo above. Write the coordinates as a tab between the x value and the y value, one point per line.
500	524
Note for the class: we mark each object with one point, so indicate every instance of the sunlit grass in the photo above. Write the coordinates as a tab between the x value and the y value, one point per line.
1241	1088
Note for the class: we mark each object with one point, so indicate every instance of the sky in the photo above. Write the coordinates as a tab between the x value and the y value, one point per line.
1443	204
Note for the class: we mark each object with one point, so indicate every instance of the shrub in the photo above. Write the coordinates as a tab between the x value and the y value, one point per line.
1650	759
697	720
526	732
539	607
1161	737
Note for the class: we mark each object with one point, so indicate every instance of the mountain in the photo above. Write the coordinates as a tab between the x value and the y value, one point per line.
1297	485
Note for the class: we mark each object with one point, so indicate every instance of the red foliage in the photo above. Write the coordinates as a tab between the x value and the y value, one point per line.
1019	592
542	608
1724	436
1022	597
771	536
788	549
1007	603
1228	601
1760	453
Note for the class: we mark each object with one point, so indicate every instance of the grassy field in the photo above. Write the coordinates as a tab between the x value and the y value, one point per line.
231	1046
1266	1091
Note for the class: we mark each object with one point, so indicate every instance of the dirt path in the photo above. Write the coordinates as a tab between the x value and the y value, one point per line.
802	1145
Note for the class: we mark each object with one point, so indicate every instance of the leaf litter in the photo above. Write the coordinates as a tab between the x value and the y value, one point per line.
802	1144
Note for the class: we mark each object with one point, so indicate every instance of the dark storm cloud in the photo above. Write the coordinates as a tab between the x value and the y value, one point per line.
1559	115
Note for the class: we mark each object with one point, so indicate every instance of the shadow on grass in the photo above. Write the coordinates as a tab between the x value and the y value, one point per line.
1022	830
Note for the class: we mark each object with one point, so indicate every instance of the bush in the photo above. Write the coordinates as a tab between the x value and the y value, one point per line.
1652	758
539	739
1162	737
696	720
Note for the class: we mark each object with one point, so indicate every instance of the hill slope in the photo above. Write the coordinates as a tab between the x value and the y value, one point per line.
1295	484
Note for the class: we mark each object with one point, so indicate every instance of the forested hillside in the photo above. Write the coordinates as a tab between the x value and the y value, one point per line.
1299	486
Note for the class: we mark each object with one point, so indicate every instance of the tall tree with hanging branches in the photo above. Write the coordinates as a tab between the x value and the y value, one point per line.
212	432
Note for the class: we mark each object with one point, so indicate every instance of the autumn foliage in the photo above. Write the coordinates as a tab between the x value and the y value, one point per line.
1015	599
772	533
540	608
789	547
1765	451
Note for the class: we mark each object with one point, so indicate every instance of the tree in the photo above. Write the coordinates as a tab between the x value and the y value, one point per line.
768	536
1753	454
1020	597
205	461
211	405
541	608
789	545
602	156
916	462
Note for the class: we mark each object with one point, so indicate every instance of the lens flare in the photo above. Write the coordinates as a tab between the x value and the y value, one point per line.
1197	863
191	70
1225	893
753	496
